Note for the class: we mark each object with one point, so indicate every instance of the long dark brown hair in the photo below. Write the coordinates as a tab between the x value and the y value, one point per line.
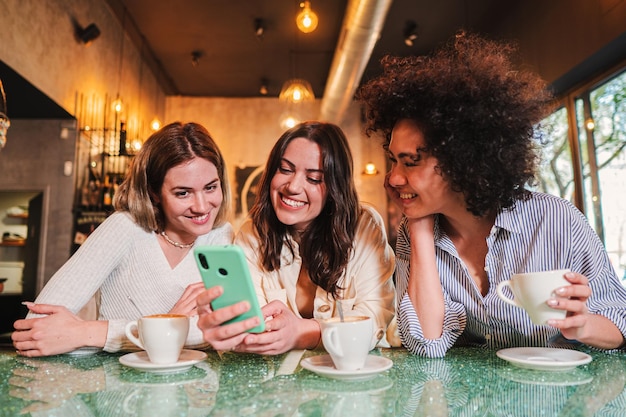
326	245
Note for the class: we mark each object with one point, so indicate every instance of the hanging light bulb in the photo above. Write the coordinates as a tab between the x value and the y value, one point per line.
118	105
590	124
306	20
296	91
289	119
155	124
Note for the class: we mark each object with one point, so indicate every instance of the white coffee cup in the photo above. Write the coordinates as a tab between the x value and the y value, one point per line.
532	290
162	336
348	341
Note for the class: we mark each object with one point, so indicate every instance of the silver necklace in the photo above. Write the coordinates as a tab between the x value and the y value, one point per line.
177	244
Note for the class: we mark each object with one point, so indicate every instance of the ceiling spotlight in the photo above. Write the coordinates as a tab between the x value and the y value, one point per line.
88	34
259	28
263	89
306	20
195	58
410	33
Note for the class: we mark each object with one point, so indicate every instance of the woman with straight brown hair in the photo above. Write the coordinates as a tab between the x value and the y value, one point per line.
139	261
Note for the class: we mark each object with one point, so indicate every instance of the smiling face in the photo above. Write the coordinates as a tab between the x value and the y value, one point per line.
190	199
297	189
413	181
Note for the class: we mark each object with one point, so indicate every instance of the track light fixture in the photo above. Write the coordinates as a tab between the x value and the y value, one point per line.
410	33
195	58
259	28
88	34
263	90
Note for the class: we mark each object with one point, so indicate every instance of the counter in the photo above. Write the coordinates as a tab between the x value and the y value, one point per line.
467	382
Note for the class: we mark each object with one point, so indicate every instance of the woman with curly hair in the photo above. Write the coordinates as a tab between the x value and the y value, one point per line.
459	129
312	248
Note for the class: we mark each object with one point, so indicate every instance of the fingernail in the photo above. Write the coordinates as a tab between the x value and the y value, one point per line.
551	322
553	302
560	291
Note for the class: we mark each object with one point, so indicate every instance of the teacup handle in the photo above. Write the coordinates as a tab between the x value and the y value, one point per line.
130	335
329	338
503	297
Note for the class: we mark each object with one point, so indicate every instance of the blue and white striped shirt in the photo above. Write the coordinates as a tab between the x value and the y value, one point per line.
542	233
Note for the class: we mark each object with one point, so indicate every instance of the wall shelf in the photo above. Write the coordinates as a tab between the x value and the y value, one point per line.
13	243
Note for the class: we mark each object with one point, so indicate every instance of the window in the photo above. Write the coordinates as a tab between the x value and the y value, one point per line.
584	160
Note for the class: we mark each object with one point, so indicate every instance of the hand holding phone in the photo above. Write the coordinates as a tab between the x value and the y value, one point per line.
226	266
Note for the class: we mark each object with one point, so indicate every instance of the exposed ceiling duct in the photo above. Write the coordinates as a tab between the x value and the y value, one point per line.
360	30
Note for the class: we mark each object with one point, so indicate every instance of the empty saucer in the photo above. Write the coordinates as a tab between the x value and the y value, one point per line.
545	359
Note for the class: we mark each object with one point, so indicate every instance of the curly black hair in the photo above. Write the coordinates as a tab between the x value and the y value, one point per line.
476	111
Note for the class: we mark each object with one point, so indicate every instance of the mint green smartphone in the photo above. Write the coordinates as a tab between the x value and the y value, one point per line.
226	266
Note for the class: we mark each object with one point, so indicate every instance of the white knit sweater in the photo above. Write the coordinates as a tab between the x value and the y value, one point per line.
128	267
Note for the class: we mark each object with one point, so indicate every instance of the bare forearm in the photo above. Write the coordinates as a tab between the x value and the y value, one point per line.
93	333
424	287
310	335
601	333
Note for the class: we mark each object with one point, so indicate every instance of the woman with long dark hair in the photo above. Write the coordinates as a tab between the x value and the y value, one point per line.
312	248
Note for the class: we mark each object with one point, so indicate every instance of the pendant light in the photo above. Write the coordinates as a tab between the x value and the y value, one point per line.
296	90
306	20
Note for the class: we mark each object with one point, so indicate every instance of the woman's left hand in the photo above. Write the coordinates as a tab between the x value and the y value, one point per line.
591	329
285	331
572	299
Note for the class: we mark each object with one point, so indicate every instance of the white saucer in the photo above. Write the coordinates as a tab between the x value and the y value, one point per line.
139	360
545	359
323	365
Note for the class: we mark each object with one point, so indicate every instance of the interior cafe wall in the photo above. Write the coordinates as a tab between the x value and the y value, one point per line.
67	71
246	129
38	42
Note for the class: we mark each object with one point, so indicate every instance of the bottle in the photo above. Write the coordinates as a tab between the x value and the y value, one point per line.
106	192
123	138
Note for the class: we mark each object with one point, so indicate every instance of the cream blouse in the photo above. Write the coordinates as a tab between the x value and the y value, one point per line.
367	280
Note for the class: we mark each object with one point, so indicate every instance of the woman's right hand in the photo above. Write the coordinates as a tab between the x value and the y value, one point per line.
222	336
187	304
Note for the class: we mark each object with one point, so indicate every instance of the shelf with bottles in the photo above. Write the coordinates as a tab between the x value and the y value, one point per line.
105	158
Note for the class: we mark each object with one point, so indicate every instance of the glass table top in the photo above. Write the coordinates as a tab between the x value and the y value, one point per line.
467	382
